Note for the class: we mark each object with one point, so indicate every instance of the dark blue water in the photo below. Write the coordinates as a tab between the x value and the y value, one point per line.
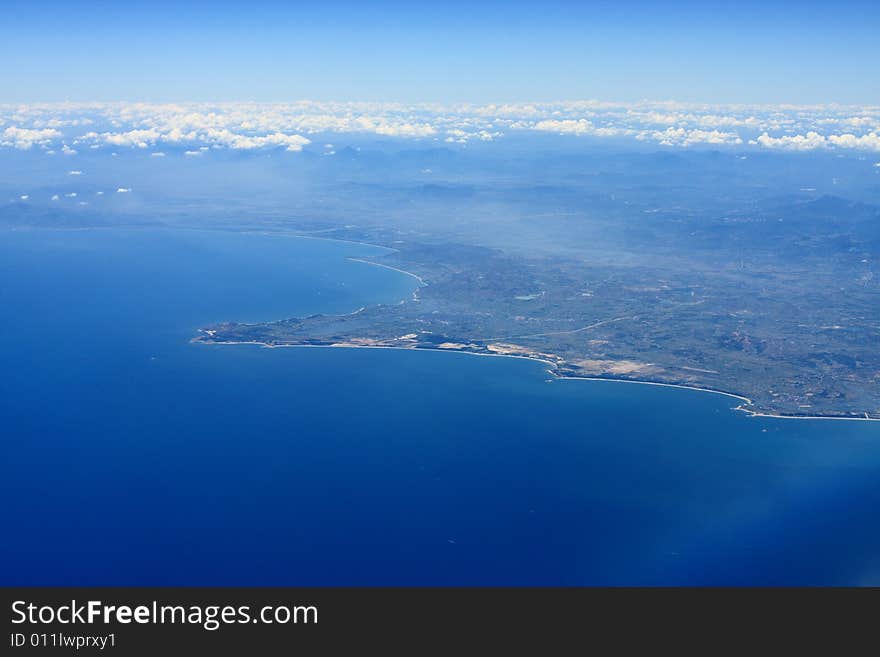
130	456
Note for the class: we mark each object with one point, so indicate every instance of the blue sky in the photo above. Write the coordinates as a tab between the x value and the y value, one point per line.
746	52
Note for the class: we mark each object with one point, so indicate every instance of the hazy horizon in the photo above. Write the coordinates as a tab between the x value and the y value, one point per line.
776	52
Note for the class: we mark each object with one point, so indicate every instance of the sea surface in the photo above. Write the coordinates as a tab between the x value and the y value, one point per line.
129	456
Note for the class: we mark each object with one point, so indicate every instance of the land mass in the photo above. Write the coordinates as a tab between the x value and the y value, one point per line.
746	272
756	332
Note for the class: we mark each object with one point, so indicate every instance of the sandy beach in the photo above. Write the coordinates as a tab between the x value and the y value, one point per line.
552	371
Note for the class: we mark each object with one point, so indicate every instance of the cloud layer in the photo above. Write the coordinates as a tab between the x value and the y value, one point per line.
198	127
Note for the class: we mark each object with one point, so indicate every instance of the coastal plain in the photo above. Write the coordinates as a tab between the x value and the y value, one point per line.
790	342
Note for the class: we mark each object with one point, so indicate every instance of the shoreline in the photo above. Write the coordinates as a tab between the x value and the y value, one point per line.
552	372
299	235
397	269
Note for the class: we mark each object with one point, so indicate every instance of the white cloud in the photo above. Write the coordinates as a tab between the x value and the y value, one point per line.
67	150
123	190
24	197
813	140
242	142
571	126
24	138
158	154
685	137
133	138
74	173
197	127
870	141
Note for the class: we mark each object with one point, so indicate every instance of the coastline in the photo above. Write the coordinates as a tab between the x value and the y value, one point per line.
552	371
397	269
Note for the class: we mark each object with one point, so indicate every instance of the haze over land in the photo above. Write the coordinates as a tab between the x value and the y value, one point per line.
727	247
684	195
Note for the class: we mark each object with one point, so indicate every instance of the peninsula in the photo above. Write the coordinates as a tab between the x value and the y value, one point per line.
722	330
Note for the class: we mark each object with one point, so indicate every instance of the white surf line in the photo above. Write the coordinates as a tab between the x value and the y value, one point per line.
752	413
665	385
379	264
331	239
550	371
740	408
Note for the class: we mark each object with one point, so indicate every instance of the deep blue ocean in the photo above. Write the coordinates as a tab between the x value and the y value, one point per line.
131	457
